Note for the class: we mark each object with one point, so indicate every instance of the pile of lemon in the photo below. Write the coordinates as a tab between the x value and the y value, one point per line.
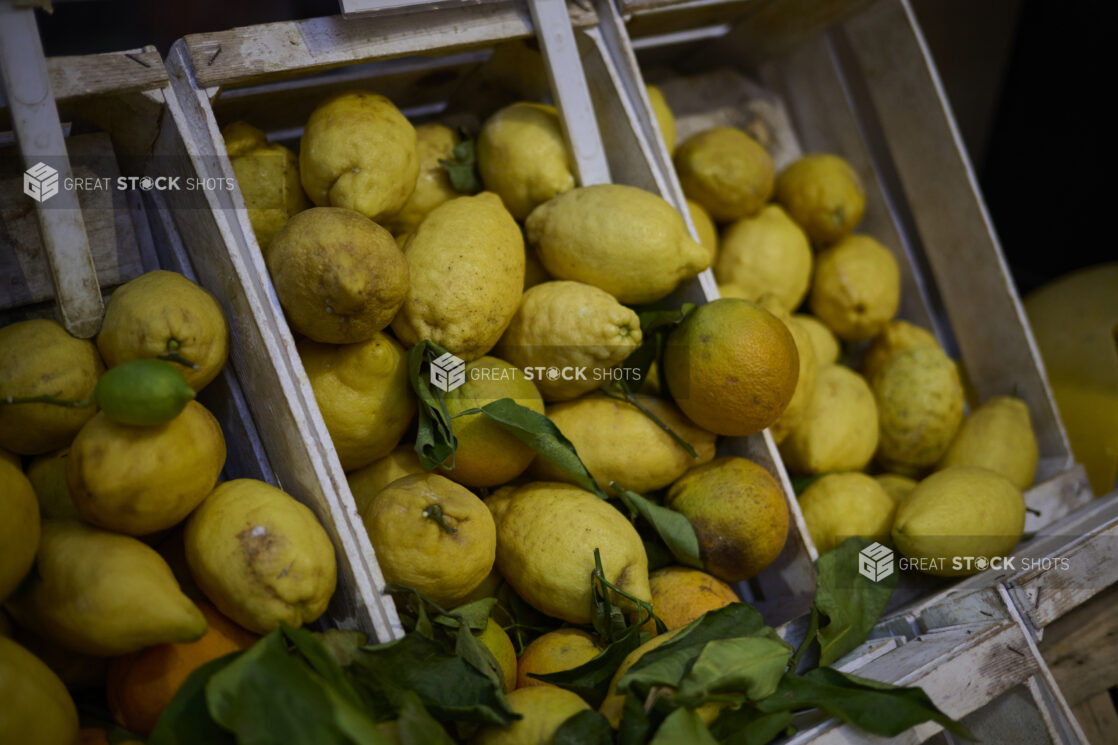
122	557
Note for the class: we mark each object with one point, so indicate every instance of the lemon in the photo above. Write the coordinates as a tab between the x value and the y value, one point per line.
725	171
39	358
919	405
260	556
665	120
143	393
731	366
268	177
518	67
359	152
682	594
836	430
546	536
997	436
568	327
897	336
627	241
896	486
161	313
809	370
139	480
10	458
102	593
19	531
959	511
739	514
840	505
38	710
467	275
487	454
827	347
856	289
705	228
339	276
542	709
523	158
824	195
554	652
367	481
47	474
498	643
433	535
618	442
766	253
363	394
433	143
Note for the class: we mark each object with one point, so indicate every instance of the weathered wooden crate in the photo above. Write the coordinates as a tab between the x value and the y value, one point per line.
117	109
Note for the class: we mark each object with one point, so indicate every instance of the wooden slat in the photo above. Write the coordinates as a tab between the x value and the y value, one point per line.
111	73
1081	648
1099	719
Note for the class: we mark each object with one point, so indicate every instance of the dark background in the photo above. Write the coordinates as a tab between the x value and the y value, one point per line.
1026	81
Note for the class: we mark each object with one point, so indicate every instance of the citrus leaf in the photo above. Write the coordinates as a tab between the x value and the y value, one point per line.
435	442
415	725
462	168
591	679
321	661
747	726
673	527
752	665
683	727
851	602
187	720
584	728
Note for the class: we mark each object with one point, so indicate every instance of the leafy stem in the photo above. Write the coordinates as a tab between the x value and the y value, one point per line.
599	576
52	399
628	397
809	637
435	512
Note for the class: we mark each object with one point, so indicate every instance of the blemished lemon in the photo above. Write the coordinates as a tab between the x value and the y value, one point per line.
433	535
824	195
359	152
999	436
856	288
840	505
268	177
339	276
682	594
39	358
260	556
542	709
739	514
523	158
766	253
725	171
897	336
731	366
555	652
163	313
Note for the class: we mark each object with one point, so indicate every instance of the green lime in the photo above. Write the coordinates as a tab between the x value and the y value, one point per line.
143	393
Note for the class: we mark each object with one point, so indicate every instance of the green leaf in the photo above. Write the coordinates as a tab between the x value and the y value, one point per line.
655	327
673	527
415	726
747	726
873	706
752	665
462	168
851	602
584	728
656	320
344	646
321	661
803	481
475	615
635	722
537	432
435	442
683	727
471	649
187	720
268	696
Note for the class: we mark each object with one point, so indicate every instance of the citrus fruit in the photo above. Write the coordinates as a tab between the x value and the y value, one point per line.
37	710
808	370
682	594
498	643
835	431
896	336
856	288
433	143
896	486
554	652
366	482
523	158
824	195
840	505
766	253
19	531
665	120
143	393
725	171
705	227
542	709
999	436
827	347
268	177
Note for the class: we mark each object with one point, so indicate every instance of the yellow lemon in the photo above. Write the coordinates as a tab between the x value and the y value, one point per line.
704	226
47	474
39	358
137	480
725	171
523	158
434	143
766	253
161	313
102	593
474	241
998	436
739	514
840	505
487	454
896	486
627	241
433	535
534	273
363	393
359	152
836	429
498	643
367	481
339	276
827	347
268	177
38	710
260	556
546	536
897	336
856	289
809	370
542	709
665	120
19	531
824	195
567	327
618	442
682	594
554	652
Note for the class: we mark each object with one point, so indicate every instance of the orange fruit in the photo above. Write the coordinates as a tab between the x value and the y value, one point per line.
732	367
141	684
554	652
681	594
